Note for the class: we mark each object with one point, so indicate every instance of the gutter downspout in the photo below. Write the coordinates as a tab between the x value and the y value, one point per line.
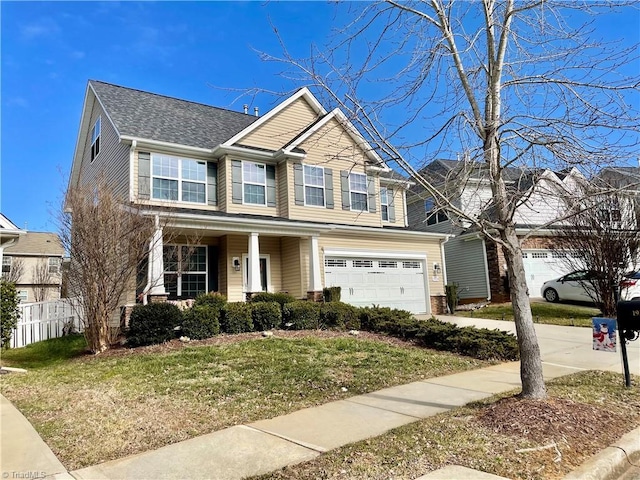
132	152
486	269
404	211
444	261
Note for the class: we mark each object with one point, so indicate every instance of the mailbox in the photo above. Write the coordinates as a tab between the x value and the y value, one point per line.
629	318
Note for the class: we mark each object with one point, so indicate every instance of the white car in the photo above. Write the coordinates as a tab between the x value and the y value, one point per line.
575	286
630	286
572	286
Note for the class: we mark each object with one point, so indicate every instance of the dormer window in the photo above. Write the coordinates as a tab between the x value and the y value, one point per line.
95	139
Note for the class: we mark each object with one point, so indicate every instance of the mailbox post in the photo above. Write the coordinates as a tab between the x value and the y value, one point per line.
629	328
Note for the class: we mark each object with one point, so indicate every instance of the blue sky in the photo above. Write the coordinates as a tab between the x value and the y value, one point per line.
181	49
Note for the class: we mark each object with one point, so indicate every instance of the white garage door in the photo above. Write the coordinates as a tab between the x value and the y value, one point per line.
394	283
541	266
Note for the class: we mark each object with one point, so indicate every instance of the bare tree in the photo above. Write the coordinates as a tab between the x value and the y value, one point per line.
602	238
16	271
510	84
107	241
41	278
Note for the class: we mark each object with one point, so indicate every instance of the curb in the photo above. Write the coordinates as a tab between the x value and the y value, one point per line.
612	462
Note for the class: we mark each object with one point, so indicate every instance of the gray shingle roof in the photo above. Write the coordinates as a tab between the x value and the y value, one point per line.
37	243
156	117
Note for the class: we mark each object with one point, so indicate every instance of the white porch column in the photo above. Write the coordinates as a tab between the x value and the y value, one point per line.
253	275
155	285
315	283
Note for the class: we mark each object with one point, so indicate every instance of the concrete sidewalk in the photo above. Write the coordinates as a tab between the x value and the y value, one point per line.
268	445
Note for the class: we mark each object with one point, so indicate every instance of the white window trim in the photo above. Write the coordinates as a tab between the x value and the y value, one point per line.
263	185
97	139
365	192
7	260
245	276
23	295
57	265
179	179
179	273
304	183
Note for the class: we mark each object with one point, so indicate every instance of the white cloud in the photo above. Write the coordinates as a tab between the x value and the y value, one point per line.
78	55
43	27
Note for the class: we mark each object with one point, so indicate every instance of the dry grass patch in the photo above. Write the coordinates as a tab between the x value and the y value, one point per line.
504	435
97	408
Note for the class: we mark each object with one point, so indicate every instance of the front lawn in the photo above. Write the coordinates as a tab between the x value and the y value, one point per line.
543	312
91	409
518	439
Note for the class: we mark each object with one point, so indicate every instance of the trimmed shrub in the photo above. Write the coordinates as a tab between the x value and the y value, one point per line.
301	315
331	294
213	299
280	298
201	321
452	297
153	323
8	312
339	316
374	318
266	315
236	318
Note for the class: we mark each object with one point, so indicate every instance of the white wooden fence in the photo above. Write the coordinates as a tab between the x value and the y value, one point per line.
45	320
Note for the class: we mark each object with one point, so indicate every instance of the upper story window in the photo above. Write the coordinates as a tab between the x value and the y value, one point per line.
384	203
254	183
55	264
314	186
177	178
434	215
358	191
95	139
6	264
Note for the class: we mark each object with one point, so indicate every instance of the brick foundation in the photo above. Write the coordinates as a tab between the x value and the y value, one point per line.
315	296
438	304
125	315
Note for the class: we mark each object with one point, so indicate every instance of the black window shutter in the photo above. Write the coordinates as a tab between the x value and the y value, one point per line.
212	183
371	188
236	181
271	185
328	187
344	186
298	183
144	175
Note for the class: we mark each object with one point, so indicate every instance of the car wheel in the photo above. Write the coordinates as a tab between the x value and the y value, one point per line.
550	295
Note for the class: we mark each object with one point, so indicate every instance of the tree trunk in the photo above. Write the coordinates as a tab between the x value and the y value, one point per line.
530	360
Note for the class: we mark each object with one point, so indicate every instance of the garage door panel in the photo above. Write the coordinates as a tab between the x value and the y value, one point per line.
541	266
378	281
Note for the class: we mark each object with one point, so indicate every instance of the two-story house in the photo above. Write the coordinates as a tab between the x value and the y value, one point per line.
34	263
293	201
475	263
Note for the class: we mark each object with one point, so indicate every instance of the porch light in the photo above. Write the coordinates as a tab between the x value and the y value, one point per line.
236	264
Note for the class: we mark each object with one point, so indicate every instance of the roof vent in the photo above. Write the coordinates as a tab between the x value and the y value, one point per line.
255	111
246	109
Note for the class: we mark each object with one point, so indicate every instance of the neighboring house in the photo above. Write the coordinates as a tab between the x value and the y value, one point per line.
475	263
34	264
292	201
9	235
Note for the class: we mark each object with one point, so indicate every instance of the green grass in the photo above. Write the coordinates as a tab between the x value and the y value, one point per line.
458	438
543	312
94	409
44	354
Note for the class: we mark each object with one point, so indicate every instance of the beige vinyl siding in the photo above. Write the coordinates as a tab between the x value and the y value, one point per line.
238	245
151	201
292	278
279	130
113	157
225	268
282	197
27	279
332	147
430	247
